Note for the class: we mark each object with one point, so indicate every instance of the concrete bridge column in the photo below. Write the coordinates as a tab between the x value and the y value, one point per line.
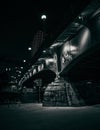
60	93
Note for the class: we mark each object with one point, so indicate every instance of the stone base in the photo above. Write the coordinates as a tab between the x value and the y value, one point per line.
60	93
55	94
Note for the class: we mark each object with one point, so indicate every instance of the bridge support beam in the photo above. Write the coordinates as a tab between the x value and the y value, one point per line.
60	93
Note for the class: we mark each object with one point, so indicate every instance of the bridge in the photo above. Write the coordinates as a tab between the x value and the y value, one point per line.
67	73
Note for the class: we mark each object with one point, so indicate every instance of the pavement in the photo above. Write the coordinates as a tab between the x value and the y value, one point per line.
32	116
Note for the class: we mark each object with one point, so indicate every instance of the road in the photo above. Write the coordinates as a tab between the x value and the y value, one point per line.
35	117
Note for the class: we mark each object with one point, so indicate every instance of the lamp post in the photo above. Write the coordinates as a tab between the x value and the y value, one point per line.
43	18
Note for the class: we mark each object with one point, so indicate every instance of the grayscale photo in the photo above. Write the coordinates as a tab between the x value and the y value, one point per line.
50	65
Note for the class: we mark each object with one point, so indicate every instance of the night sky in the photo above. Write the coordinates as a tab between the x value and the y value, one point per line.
20	20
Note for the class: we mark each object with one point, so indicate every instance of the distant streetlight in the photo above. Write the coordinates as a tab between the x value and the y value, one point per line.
43	17
21	67
24	61
29	48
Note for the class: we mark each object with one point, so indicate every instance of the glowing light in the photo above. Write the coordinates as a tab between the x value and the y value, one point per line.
24	61
44	51
80	17
49	60
43	17
29	48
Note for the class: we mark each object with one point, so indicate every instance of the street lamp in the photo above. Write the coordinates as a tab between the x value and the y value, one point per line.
29	48
43	17
24	61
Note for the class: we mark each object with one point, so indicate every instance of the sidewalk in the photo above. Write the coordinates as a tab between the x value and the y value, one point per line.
35	117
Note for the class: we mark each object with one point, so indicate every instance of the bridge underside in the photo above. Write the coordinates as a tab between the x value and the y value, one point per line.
84	67
82	82
47	77
84	75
